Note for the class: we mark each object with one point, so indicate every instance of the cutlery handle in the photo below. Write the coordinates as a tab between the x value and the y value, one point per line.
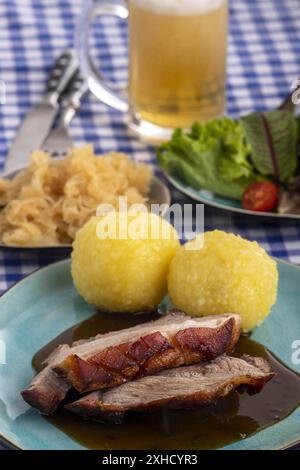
60	76
71	99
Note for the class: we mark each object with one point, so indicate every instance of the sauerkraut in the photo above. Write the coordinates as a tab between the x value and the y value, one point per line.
49	201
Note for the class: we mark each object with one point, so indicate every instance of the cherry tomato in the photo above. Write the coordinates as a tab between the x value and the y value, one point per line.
261	197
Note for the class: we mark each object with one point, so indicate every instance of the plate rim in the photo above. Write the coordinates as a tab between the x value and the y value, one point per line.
185	190
10	442
4	441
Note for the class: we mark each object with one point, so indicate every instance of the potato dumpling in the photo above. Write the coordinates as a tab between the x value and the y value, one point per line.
227	275
124	271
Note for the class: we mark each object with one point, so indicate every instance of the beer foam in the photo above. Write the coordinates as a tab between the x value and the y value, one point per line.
179	7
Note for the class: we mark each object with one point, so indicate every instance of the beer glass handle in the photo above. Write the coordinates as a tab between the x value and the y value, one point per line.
102	89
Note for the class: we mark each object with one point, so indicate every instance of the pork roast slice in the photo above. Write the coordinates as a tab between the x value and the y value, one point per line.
114	358
47	390
182	387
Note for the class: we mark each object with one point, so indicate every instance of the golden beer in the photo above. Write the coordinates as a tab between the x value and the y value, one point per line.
177	60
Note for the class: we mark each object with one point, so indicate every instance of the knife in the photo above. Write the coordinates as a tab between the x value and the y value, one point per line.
37	123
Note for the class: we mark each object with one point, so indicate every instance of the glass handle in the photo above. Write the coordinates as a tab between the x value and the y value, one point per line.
101	88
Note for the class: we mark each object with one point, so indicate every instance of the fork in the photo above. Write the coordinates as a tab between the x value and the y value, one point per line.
59	142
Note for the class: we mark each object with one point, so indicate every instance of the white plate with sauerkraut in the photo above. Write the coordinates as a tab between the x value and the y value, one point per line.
44	204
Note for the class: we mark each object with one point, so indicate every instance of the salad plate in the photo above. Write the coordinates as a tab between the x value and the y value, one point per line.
31	316
249	165
211	199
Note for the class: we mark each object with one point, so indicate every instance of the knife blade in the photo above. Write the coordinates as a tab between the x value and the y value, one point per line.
38	121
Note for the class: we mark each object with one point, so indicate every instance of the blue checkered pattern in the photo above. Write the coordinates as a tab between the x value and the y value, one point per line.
264	60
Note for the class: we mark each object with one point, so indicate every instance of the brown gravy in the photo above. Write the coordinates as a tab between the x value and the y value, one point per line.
233	418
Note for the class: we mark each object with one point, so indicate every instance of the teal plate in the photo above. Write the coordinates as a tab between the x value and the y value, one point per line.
211	199
45	303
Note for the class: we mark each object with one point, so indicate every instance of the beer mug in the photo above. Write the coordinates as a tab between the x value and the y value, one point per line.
177	62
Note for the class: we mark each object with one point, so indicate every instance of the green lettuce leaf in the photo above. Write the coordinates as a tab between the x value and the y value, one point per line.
213	156
273	139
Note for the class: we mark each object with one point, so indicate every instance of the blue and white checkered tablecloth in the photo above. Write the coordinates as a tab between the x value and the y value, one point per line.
264	60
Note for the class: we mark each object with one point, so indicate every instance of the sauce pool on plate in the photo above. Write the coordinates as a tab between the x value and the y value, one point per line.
232	418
